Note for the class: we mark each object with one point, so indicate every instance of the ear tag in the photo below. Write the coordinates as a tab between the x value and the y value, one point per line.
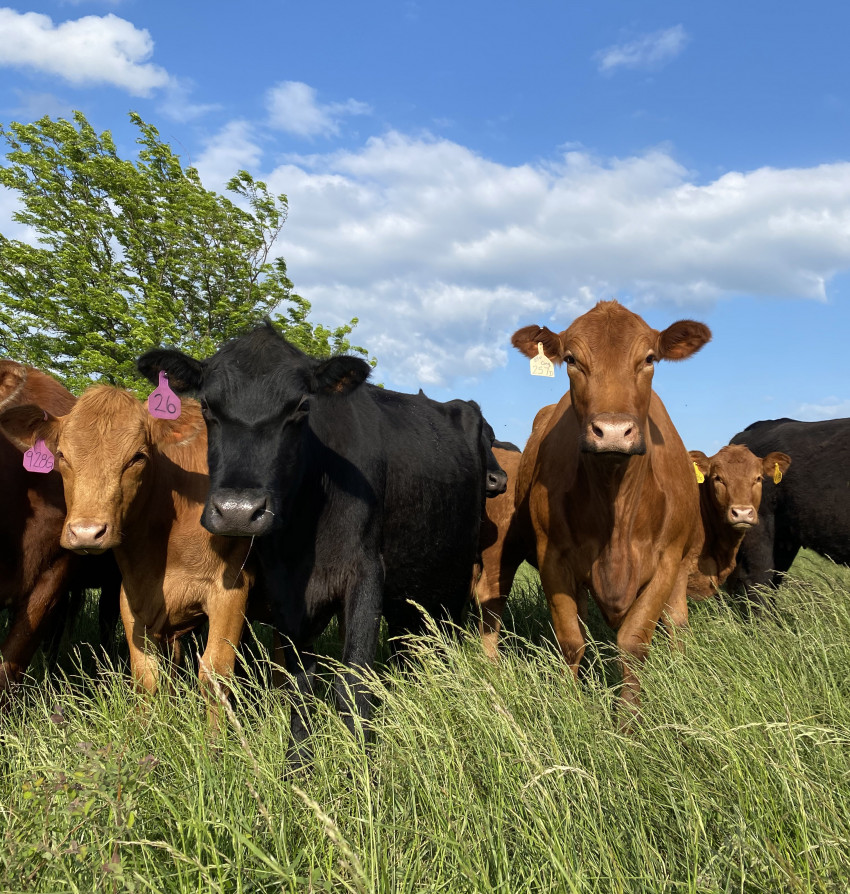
700	476
777	474
39	458
163	402
541	365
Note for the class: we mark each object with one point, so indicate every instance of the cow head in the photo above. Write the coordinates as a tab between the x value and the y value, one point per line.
733	481
257	393
610	354
103	449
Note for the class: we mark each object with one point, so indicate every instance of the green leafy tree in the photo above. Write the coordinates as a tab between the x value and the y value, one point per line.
133	254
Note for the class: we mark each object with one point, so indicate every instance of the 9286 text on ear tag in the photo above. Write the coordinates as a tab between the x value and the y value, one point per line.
163	402
39	458
541	365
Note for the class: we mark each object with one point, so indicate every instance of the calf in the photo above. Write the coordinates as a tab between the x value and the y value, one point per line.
809	509
605	488
137	485
36	574
729	499
364	501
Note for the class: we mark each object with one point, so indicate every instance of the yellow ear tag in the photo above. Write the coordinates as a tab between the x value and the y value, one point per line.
777	475
541	365
700	476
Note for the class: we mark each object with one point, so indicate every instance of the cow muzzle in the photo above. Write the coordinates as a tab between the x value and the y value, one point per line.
618	433
238	513
742	518
87	535
496	483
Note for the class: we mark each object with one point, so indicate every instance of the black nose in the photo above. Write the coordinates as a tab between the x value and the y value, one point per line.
497	483
238	514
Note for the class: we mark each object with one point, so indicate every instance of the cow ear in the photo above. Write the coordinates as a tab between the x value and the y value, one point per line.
773	461
23	426
12	378
340	375
700	460
185	374
525	340
682	339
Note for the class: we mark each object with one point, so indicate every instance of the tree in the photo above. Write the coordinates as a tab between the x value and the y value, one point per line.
133	254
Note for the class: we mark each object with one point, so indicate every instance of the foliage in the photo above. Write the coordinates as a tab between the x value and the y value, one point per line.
133	254
483	778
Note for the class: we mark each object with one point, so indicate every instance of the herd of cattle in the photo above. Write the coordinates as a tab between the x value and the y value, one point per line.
293	491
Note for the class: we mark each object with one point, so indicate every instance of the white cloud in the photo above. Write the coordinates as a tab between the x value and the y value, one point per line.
89	50
293	107
649	51
832	408
176	103
230	150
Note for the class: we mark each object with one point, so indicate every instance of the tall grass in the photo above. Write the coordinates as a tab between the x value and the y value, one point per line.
481	778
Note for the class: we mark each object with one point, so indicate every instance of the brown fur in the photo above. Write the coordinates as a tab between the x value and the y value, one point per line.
607	518
35	572
730	493
137	485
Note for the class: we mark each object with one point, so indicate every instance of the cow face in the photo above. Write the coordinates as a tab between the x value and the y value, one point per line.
733	482
102	447
610	354
257	393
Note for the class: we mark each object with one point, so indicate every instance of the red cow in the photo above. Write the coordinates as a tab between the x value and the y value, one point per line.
606	488
729	500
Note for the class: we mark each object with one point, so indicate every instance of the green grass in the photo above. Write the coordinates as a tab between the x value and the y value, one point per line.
482	778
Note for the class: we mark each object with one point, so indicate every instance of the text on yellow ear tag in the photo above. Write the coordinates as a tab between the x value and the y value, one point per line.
541	365
700	476
777	474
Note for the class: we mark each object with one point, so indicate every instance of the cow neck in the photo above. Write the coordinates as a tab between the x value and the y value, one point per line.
721	540
618	483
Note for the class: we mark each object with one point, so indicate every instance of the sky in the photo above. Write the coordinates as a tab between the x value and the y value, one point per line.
458	170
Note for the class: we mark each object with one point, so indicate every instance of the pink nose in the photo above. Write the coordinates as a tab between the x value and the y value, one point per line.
742	515
613	433
85	534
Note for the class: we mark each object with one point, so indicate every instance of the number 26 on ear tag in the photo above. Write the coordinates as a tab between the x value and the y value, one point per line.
39	458
541	365
163	402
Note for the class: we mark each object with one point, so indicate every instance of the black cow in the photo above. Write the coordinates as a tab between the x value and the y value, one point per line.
362	499
811	507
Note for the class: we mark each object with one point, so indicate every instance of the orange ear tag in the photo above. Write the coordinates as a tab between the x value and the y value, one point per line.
700	476
163	402
541	365
777	474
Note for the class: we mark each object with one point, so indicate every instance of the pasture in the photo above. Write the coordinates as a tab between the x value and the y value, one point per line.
482	778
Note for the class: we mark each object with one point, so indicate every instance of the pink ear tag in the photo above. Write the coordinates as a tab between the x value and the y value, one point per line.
163	402
39	458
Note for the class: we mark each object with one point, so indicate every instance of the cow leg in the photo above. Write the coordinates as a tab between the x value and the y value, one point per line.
29	624
362	628
675	618
302	669
145	654
219	658
566	611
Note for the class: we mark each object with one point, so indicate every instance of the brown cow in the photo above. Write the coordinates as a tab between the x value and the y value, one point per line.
137	485
729	500
606	487
501	552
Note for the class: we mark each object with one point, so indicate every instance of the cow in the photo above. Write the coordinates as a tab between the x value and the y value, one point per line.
729	499
605	487
39	581
136	484
501	553
363	500
810	508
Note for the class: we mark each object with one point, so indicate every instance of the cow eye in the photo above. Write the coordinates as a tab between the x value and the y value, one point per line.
137	458
303	406
650	358
569	360
59	454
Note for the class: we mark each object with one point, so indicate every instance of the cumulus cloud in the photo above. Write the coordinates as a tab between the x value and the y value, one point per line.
650	51
294	107
89	50
232	149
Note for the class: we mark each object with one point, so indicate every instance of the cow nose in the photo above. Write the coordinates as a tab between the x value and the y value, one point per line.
85	534
238	514
613	433
742	515
497	483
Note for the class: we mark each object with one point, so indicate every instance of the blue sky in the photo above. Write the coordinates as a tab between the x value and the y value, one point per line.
458	170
